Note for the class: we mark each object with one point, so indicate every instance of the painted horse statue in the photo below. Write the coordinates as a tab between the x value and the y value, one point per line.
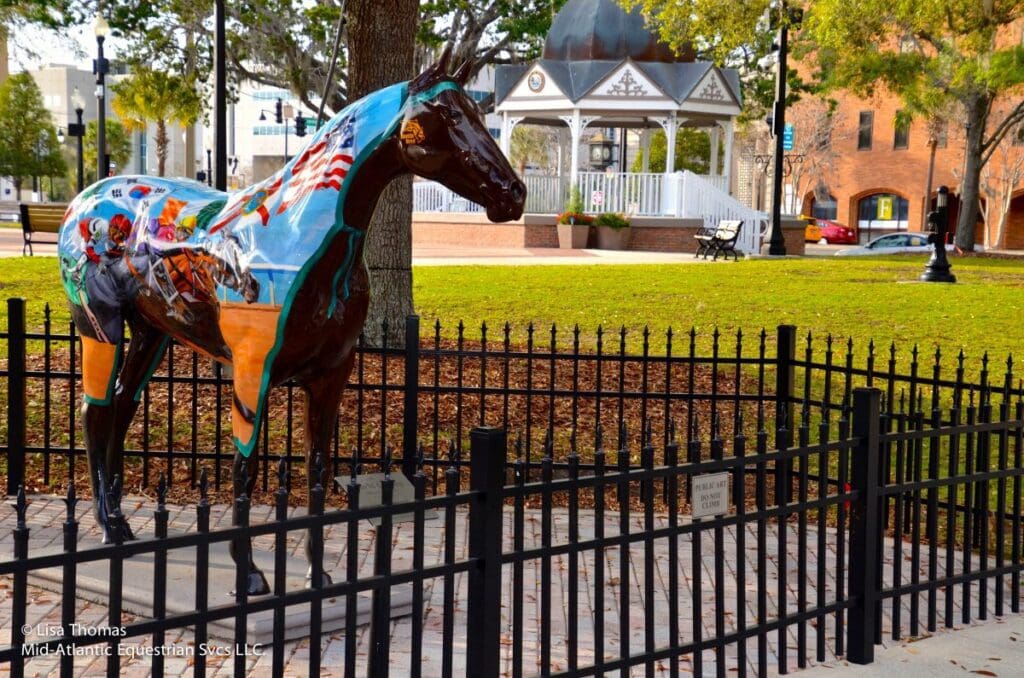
271	279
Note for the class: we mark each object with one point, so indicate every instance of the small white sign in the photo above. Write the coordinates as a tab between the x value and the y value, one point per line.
371	495
710	494
597	197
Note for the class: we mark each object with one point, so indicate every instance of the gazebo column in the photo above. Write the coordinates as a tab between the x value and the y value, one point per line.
670	194
577	123
508	123
727	158
645	144
713	168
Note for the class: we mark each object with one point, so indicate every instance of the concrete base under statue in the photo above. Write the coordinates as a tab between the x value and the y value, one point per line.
92	585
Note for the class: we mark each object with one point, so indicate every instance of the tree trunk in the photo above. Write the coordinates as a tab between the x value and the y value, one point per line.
161	147
190	130
976	109
381	49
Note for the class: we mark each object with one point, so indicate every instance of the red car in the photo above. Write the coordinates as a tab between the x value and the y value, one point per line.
834	233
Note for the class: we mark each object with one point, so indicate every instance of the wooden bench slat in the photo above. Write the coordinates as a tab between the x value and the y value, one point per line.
40	218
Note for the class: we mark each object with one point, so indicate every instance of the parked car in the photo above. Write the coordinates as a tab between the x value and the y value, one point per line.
812	232
893	243
834	233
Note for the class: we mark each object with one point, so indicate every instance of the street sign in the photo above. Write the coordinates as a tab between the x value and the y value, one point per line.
597	197
787	137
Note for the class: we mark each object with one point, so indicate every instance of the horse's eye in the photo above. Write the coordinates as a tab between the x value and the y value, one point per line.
455	115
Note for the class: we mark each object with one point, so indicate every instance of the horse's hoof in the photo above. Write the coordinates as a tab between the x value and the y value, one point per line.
257	585
325	579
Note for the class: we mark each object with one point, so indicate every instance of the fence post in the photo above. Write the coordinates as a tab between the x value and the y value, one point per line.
487	448
864	528
412	395
785	355
15	394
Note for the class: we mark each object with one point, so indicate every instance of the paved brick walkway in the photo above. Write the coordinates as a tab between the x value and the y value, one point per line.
46	514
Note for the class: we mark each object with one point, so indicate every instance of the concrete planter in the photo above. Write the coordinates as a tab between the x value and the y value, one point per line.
572	236
609	238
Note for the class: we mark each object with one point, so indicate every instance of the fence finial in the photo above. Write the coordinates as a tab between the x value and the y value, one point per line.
161	490
282	474
204	485
70	500
21	506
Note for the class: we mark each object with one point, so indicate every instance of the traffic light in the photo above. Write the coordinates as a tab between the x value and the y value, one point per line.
300	125
278	112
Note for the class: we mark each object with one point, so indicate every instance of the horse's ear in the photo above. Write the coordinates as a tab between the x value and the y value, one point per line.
436	71
441	67
462	74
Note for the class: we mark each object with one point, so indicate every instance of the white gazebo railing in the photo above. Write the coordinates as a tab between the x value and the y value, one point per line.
546	194
430	196
630	193
682	194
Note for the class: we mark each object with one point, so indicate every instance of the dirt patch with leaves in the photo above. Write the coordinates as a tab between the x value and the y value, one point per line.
183	423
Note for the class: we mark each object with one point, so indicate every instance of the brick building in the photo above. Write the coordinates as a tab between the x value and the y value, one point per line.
874	172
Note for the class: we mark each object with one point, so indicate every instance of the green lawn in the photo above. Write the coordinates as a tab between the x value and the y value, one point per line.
862	299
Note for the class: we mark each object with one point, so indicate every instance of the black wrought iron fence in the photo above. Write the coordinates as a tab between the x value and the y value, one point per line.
583	572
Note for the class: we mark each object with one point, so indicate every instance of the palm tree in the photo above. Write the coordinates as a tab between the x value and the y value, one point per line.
158	97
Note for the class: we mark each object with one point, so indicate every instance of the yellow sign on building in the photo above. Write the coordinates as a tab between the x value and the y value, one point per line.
885	208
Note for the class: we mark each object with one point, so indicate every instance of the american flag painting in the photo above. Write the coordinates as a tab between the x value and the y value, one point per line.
318	167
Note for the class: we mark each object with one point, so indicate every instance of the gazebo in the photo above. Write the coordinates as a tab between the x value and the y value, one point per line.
602	68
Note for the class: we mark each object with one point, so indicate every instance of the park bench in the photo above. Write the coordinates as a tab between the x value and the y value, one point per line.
719	240
40	218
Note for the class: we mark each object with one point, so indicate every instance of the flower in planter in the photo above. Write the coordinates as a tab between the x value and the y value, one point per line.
612	220
577	218
573	213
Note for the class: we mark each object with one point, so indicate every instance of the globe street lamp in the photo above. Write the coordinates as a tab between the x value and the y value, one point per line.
77	130
101	67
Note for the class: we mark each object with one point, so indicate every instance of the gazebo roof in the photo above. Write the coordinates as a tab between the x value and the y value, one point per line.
600	30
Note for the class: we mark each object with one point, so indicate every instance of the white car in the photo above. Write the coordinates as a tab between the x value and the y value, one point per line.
893	243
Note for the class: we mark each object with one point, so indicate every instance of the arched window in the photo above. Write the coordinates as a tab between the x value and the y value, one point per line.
881	213
825	208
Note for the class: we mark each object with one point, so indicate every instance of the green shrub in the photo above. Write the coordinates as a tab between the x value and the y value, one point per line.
612	220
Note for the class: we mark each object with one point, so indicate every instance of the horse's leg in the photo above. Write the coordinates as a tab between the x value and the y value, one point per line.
323	396
144	353
257	583
99	374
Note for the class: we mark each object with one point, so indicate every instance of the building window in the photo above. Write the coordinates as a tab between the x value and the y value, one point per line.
143	152
864	130
901	133
271	94
942	135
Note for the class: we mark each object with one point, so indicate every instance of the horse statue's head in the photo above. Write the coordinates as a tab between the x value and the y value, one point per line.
443	138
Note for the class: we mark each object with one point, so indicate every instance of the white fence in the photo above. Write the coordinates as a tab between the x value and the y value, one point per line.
430	196
691	195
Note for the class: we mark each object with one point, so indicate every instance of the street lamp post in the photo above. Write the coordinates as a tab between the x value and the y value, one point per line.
938	266
100	68
786	16
209	167
77	130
